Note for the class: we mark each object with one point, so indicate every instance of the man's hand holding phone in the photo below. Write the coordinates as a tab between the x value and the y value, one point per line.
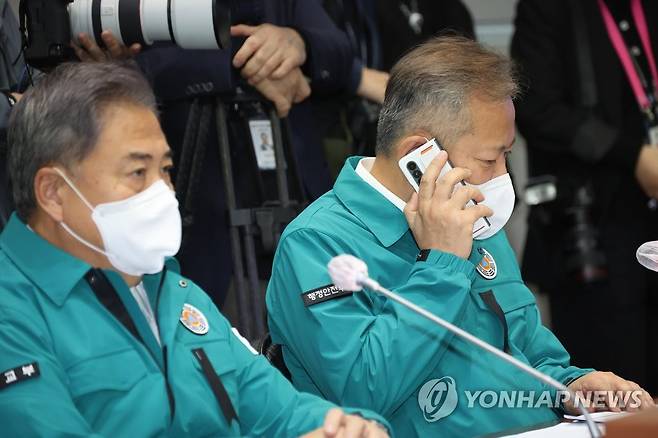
438	215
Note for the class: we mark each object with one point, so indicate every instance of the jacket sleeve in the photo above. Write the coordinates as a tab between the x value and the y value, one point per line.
361	349
548	115
329	63
546	353
42	405
176	73
270	405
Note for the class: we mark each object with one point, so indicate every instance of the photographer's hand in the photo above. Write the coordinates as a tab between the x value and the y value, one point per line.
269	52
646	170
437	214
283	93
87	50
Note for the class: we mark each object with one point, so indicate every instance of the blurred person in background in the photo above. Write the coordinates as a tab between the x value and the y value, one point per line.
380	32
589	119
283	49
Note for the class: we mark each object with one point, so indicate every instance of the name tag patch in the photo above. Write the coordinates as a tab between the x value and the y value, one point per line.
322	294
19	374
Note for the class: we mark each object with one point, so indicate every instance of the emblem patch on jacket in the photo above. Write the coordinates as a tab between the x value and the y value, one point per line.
322	294
194	320
487	267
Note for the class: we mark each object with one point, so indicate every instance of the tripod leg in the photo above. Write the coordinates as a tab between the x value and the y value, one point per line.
254	283
196	166
244	321
187	151
279	156
293	168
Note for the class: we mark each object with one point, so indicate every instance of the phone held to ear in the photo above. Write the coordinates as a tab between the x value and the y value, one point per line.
414	165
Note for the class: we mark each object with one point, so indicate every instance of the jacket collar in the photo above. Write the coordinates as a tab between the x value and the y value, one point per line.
370	206
53	270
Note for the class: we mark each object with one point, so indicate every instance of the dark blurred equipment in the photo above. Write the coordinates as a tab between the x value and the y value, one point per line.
274	354
585	261
583	125
48	26
46	32
571	210
255	222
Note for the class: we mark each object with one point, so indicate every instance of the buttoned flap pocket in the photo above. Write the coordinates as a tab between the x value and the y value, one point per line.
115	371
515	301
216	363
513	296
219	354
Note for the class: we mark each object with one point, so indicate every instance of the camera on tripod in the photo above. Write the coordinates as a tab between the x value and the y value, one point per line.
48	26
569	207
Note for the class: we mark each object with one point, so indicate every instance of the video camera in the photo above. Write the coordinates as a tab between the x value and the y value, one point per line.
49	26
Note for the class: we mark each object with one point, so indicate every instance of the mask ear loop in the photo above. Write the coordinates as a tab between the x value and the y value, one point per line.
83	241
74	188
84	200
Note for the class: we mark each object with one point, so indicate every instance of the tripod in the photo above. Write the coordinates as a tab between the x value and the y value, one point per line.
247	224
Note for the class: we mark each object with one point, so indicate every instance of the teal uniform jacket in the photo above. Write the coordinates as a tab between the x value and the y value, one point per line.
69	368
362	349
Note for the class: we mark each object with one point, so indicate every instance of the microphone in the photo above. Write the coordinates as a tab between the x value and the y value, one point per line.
647	255
351	274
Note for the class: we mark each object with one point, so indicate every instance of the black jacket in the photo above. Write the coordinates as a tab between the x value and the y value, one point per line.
579	143
440	16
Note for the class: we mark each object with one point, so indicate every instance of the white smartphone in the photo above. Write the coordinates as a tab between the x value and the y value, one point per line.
414	165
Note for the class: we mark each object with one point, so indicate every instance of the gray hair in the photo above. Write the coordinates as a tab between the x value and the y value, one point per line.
430	87
60	119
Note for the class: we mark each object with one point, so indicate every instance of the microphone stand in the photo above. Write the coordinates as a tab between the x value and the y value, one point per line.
365	281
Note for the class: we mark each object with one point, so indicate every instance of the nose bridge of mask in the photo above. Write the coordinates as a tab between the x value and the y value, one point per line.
151	192
493	183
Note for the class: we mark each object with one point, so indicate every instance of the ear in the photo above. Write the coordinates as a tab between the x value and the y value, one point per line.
48	191
408	144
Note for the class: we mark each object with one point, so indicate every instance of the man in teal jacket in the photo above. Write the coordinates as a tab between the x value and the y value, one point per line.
97	336
360	348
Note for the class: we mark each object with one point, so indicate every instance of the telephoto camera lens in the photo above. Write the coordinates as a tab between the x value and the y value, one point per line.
190	24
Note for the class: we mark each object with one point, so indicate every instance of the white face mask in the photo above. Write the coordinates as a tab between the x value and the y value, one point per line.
500	197
137	232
